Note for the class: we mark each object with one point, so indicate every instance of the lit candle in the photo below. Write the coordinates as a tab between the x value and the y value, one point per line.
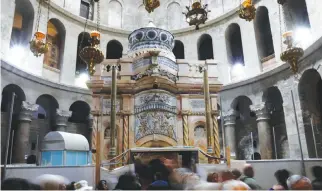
288	34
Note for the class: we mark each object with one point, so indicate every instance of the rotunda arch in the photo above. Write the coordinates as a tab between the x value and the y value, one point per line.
310	93
83	41
178	49
234	45
273	100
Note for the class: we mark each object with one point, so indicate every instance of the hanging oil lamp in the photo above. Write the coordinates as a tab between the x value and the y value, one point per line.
292	54
38	44
92	54
150	5
247	10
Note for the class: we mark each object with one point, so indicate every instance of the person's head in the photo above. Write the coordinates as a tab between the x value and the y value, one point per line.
226	175
102	185
248	171
298	182
213	177
236	173
15	184
281	177
127	181
317	171
71	186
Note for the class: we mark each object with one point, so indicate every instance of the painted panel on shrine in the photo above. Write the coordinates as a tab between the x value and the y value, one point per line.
197	105
107	106
155	113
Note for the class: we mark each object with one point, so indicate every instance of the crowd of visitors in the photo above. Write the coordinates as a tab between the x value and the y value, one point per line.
166	175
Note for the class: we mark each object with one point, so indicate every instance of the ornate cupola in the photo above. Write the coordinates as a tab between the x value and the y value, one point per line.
151	50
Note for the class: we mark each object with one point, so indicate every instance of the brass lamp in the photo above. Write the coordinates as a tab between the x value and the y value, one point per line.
292	54
38	46
247	10
92	55
150	5
198	14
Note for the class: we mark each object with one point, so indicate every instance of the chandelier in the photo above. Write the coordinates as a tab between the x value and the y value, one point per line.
38	44
92	54
292	54
150	5
247	10
197	15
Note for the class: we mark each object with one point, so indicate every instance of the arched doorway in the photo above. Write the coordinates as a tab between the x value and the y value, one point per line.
310	93
205	47
274	104
114	50
79	119
6	101
246	128
50	105
295	13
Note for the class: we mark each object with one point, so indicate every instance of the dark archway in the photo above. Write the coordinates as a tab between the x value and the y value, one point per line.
205	47
80	113
50	105
114	50
5	109
310	93
263	33
56	34
83	41
178	49
246	128
274	103
296	15
22	24
234	44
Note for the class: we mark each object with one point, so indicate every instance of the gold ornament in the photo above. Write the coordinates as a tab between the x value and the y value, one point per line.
247	10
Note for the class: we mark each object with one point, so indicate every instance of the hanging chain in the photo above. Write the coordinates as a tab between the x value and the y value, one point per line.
39	14
98	16
280	21
48	1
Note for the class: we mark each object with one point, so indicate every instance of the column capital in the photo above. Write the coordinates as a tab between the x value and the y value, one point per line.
27	111
185	112
229	117
62	118
260	111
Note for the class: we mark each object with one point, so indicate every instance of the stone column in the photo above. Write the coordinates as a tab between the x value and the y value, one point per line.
62	119
90	121
185	127
264	131
21	146
230	135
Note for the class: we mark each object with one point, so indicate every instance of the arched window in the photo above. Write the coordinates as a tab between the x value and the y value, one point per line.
87	9
174	16
80	113
114	50
263	33
56	38
178	49
234	44
22	23
205	49
83	41
115	14
296	15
